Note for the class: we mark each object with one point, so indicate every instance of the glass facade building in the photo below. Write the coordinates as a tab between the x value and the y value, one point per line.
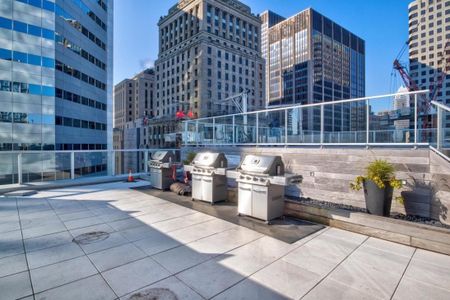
55	74
311	59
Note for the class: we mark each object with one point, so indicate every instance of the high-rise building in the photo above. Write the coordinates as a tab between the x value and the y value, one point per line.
429	47
311	59
56	61
133	98
56	75
133	107
208	51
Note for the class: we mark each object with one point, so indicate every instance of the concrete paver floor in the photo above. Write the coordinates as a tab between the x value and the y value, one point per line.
138	243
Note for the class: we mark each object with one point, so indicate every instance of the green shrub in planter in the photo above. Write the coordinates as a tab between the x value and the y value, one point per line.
378	183
189	158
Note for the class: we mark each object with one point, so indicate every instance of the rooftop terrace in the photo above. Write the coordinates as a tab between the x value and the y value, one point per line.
138	243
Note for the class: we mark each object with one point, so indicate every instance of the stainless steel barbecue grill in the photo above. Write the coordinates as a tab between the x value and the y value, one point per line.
161	169
209	181
261	182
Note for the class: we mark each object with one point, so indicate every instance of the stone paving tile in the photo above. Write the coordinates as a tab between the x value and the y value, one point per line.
48	256
43	230
193	233
12	265
91	288
81	223
134	276
286	279
155	243
210	278
61	273
15	286
117	256
11	243
331	289
115	239
428	273
182	222
47	241
249	289
366	278
172	284
255	255
71	216
433	258
9	226
415	290
125	224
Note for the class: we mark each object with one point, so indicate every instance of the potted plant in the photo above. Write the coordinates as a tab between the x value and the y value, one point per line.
379	184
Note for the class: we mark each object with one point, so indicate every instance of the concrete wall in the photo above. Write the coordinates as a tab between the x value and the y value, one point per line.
327	174
440	174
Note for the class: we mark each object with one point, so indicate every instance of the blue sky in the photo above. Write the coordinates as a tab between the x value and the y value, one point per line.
383	24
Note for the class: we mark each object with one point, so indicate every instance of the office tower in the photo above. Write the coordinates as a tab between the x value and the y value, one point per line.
56	75
208	51
311	59
268	19
133	98
429	49
401	101
133	102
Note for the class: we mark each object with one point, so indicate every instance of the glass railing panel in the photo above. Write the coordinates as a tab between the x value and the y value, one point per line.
45	166
205	131
272	127
303	125
90	164
245	129
345	123
8	168
223	130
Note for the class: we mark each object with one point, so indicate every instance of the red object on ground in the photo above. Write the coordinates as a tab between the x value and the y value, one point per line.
130	177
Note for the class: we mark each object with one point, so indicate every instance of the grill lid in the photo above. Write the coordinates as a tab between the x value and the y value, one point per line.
262	165
163	156
210	160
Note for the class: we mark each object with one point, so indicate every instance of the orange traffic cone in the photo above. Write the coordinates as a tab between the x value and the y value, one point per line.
130	177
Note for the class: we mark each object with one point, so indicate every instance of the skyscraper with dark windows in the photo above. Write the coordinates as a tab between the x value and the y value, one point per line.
56	74
311	59
209	50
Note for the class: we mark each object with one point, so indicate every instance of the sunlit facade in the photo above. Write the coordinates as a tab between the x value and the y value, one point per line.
55	75
311	59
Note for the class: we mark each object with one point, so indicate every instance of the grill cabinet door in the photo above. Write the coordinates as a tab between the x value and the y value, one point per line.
245	199
197	187
259	203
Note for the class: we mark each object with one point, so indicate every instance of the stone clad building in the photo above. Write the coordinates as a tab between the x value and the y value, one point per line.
208	51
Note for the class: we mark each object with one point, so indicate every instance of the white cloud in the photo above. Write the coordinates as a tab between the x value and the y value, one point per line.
147	63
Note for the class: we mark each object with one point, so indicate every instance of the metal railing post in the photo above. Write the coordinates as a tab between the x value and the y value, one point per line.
184	136
146	161
214	131
322	124
19	169
416	119
367	123
439	116
72	165
197	135
286	127
234	131
257	128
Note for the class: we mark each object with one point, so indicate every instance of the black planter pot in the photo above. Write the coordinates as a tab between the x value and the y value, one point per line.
378	201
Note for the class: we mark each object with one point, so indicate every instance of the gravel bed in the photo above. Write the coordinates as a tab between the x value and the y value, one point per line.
409	218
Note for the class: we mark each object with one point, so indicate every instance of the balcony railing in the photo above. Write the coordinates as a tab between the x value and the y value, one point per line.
20	167
368	121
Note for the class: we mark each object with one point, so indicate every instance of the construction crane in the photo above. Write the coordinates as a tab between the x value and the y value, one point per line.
411	85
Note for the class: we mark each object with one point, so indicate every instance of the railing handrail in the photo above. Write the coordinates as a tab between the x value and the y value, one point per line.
441	105
312	105
83	151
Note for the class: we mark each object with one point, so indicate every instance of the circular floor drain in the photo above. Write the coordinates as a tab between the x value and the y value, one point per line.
90	237
154	294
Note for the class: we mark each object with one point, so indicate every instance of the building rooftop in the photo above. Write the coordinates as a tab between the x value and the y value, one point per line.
108	241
